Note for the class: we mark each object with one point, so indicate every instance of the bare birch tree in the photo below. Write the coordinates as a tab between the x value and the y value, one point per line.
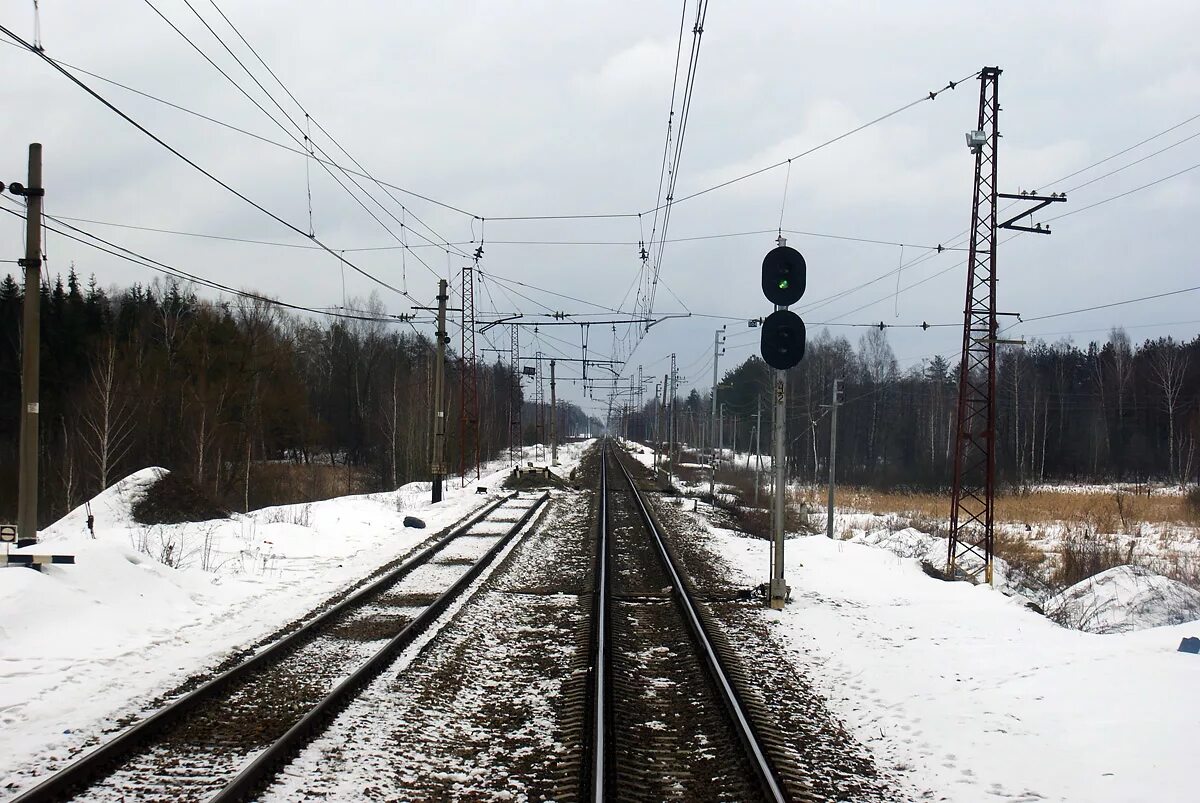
1169	364
108	420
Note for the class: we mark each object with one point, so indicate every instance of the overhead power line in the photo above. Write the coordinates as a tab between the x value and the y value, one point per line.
783	162
342	259
1121	303
1123	194
265	140
957	238
320	127
300	130
300	151
129	255
1124	151
621	243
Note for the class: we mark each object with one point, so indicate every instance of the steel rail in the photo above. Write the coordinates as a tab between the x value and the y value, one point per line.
601	649
264	766
90	766
747	733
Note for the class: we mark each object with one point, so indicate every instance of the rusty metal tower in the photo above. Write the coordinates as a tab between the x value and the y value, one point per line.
514	398
469	395
973	502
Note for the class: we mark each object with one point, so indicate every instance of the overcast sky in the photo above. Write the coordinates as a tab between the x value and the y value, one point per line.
509	109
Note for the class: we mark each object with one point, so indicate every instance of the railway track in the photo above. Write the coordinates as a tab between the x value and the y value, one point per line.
225	739
670	717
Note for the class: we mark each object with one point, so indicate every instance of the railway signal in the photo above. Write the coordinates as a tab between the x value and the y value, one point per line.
784	280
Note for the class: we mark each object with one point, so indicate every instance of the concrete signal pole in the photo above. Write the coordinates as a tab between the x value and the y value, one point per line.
779	589
672	428
833	408
757	447
438	462
718	341
27	501
553	419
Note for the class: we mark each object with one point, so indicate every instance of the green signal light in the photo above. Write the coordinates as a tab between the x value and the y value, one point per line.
783	284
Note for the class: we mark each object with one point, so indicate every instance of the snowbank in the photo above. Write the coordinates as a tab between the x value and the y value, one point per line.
1123	599
972	695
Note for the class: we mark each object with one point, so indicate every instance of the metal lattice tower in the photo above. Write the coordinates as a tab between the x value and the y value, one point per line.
975	440
514	398
469	395
539	410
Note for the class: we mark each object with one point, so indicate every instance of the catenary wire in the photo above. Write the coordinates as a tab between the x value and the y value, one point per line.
342	259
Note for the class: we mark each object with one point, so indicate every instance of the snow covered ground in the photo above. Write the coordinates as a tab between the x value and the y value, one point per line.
975	696
82	646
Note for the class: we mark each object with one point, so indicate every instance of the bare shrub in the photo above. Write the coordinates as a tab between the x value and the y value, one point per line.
1027	562
173	499
1085	553
291	483
169	545
736	498
1192	503
299	515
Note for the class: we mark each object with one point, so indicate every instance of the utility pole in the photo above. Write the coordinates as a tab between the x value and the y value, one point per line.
833	408
721	432
553	419
671	426
757	447
718	340
641	428
657	434
539	409
438	461
27	501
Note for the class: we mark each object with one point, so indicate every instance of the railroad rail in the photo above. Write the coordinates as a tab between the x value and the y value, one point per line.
667	720
225	739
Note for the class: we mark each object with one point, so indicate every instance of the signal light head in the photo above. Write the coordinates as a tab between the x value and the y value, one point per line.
783	276
783	339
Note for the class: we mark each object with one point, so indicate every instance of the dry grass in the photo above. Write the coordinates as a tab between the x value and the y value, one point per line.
1105	512
1083	554
1098	531
1020	553
293	483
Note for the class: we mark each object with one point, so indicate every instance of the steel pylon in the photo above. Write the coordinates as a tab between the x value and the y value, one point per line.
469	395
972	508
515	398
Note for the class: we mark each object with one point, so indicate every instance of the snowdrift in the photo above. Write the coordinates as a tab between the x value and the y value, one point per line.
1124	599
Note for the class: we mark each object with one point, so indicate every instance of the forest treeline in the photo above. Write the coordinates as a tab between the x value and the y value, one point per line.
1106	411
256	405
